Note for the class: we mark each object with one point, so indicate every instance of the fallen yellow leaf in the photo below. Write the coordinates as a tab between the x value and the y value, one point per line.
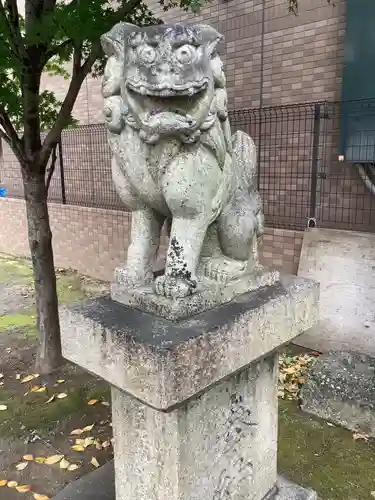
40	460
92	402
358	435
3	482
24	488
41	389
105	403
40	497
98	445
64	464
77	432
88	428
94	462
73	467
372	493
62	395
60	381
54	459
80	441
35	388
29	378
88	441
28	458
106	444
22	465
3	407
52	398
78	447
12	484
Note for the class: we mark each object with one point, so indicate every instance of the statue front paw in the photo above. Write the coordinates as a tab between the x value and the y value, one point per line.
169	286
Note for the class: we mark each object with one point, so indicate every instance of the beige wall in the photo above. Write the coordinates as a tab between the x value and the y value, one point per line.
93	241
302	55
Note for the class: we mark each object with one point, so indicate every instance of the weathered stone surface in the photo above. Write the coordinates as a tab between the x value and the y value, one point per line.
343	262
100	485
210	294
341	388
175	160
222	443
163	363
291	491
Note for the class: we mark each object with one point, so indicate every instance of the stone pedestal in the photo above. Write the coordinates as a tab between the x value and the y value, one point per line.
194	401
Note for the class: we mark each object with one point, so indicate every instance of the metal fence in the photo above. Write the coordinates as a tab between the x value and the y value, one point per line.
304	178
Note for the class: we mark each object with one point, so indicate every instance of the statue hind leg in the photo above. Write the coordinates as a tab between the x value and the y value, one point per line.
241	221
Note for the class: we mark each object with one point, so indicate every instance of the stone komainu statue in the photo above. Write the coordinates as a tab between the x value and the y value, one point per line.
175	160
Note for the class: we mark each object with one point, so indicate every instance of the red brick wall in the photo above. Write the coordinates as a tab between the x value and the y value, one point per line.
94	241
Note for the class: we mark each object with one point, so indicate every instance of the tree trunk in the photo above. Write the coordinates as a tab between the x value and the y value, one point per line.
49	355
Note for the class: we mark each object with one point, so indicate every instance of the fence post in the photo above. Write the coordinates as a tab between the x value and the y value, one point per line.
62	174
315	159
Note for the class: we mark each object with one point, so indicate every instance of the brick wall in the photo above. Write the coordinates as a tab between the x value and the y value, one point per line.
302	55
94	241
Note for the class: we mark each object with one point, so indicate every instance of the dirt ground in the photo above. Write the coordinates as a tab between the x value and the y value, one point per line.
38	414
31	425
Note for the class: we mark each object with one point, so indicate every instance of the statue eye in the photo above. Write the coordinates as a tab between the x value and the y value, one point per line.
147	54
185	54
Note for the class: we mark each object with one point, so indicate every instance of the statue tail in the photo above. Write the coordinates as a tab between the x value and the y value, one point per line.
245	162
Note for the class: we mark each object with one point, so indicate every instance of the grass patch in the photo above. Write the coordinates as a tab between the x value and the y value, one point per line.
323	457
15	271
31	412
19	321
69	288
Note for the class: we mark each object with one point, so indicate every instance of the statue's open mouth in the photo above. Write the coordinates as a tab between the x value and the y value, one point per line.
165	90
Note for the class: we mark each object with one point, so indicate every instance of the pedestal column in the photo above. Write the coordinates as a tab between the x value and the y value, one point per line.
194	401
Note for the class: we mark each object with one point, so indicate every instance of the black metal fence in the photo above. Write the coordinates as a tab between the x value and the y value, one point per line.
315	164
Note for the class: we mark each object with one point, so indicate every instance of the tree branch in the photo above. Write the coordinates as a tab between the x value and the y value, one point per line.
53	51
10	132
49	4
78	76
77	59
52	167
10	13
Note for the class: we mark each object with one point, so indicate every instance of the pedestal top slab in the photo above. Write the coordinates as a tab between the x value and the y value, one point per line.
210	294
164	363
